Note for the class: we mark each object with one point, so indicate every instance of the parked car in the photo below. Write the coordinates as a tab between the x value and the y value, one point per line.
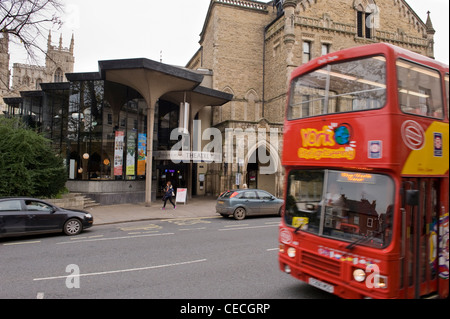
246	202
21	216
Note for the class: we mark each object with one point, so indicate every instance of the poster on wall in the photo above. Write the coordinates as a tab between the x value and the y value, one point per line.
131	154
118	153
142	154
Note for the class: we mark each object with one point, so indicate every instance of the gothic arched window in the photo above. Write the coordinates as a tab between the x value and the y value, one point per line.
59	76
367	18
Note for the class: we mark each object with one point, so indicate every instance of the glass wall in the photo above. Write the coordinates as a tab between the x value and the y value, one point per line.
100	128
106	132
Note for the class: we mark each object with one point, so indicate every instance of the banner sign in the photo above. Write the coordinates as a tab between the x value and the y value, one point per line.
131	154
142	154
118	153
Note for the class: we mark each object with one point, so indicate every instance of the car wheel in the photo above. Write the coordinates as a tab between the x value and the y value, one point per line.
240	213
73	227
280	212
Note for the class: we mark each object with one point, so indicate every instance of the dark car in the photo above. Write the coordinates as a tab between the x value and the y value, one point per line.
21	216
246	202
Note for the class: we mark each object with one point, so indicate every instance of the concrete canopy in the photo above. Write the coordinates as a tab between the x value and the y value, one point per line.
152	80
199	98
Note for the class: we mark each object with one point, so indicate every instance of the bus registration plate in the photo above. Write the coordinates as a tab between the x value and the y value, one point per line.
321	285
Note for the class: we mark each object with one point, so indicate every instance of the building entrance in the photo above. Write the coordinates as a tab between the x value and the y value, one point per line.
169	172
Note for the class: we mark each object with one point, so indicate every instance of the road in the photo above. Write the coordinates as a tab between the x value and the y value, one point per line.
210	258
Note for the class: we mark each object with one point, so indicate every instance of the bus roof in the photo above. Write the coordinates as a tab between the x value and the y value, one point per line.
369	50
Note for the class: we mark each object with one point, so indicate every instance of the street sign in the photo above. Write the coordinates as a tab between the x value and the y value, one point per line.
181	195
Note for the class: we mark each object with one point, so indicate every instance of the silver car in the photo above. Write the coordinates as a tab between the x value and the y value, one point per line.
246	202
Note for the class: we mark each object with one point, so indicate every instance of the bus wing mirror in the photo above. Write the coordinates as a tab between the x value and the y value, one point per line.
412	197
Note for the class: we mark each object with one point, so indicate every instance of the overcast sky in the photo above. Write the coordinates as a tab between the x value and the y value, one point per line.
113	29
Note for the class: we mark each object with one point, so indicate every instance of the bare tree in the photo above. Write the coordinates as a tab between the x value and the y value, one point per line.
28	21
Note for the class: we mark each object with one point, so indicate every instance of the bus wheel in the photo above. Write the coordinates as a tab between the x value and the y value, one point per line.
240	213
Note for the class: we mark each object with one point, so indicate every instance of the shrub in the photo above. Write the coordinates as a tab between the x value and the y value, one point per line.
28	164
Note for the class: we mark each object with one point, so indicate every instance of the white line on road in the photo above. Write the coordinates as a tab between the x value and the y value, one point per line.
23	243
240	225
122	271
251	227
40	295
113	238
272	249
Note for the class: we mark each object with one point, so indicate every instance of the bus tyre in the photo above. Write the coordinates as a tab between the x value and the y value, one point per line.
240	213
73	227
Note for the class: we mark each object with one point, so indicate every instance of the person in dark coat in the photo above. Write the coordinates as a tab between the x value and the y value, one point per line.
168	195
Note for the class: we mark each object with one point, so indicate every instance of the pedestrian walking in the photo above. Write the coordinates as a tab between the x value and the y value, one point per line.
168	195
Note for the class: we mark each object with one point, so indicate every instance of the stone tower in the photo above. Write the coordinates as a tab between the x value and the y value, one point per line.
4	61
4	67
58	61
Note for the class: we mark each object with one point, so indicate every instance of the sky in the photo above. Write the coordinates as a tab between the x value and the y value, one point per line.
168	30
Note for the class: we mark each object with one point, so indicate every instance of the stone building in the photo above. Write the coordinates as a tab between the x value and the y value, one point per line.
59	61
4	68
251	48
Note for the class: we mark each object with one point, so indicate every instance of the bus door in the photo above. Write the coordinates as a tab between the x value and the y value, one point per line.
420	231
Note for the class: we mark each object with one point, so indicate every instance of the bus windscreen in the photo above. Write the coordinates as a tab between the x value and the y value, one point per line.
341	205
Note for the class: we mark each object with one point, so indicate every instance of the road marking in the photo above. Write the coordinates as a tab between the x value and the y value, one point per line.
188	221
251	227
113	238
23	243
273	223
148	227
272	249
230	226
40	295
90	237
123	270
144	232
185	229
189	218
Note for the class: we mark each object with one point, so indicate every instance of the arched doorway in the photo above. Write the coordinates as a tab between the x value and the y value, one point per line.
263	168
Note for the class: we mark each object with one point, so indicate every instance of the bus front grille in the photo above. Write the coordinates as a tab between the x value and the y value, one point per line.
323	264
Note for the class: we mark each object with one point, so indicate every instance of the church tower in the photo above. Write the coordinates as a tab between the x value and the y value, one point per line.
4	69
4	62
59	60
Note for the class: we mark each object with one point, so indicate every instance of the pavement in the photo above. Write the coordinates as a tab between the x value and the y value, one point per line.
198	207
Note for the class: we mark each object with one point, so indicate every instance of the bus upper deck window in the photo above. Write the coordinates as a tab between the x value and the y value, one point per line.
350	86
420	90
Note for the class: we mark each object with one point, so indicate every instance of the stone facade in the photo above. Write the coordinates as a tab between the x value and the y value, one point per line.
4	68
59	60
252	47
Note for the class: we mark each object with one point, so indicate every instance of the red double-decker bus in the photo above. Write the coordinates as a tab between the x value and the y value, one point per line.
366	154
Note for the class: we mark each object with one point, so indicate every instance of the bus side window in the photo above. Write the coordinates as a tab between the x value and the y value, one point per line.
419	90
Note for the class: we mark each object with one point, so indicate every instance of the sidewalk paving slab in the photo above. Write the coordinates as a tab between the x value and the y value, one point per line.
199	207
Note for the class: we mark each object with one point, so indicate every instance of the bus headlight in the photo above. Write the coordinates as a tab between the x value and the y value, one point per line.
359	275
291	252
